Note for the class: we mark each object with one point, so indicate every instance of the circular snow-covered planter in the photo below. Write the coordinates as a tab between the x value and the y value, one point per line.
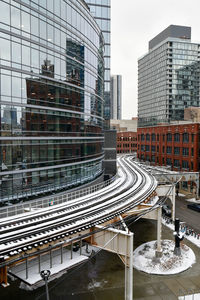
144	258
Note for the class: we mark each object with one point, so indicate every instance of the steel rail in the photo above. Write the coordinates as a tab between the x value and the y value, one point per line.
86	215
36	218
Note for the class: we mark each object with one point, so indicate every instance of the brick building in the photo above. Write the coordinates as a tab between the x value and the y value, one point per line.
126	142
174	145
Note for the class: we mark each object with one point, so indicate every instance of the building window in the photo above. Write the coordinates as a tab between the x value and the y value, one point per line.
191	166
169	137
169	161
163	137
153	137
192	137
176	150
192	151
157	137
169	150
185	151
176	163
142	137
153	148
147	148
185	137
185	164
177	137
147	137
163	149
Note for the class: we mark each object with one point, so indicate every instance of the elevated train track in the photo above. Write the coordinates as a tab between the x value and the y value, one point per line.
31	231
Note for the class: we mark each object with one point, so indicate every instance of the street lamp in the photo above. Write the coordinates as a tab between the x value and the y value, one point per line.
45	274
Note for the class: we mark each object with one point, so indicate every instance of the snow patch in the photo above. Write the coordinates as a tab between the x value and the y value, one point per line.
194	200
181	195
144	258
96	284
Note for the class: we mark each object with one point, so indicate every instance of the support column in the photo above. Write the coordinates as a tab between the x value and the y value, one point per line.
159	232
71	250
26	268
173	203
125	277
39	263
3	276
80	245
50	258
61	254
129	268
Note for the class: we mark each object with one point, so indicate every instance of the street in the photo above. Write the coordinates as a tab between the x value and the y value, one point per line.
187	215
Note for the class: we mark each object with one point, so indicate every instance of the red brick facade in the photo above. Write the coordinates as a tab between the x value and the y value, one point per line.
176	146
126	142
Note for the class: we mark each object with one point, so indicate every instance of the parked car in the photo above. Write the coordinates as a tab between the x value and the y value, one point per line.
194	206
166	210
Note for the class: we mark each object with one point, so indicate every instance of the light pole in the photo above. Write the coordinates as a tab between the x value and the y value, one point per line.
45	274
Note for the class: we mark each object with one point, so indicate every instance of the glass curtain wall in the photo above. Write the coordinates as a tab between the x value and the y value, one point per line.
168	82
51	97
100	9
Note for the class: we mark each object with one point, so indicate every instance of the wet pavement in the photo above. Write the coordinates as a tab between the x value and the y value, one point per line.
102	278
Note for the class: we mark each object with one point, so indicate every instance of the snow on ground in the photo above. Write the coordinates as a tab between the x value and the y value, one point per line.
58	268
146	261
194	200
96	284
181	195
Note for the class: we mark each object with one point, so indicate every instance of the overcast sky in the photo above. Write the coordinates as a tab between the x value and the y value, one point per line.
133	24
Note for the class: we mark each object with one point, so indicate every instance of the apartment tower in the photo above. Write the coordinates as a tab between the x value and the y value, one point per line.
168	77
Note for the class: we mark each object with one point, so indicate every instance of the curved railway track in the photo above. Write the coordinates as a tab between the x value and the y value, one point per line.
24	232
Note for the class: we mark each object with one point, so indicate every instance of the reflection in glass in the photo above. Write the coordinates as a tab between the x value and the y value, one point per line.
51	101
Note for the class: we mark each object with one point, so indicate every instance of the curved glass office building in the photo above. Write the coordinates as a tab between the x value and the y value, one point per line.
51	97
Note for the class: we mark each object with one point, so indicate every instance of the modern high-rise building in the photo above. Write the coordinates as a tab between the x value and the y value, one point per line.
51	97
168	77
100	9
116	97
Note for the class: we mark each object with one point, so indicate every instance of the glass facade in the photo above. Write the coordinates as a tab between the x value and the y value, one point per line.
116	97
51	97
100	9
168	81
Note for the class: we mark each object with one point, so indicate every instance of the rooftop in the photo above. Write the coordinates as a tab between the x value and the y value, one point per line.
172	31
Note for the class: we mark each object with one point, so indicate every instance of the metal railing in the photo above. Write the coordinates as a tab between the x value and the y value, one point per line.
55	199
7	195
